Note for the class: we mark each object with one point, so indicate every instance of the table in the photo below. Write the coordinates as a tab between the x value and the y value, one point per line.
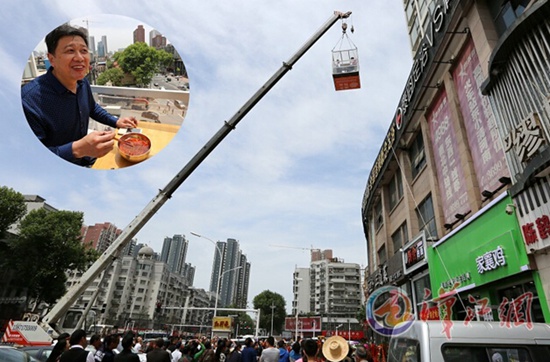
160	136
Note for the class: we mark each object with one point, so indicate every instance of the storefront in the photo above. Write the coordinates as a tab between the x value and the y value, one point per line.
481	270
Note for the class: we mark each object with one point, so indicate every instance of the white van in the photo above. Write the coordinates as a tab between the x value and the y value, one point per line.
474	342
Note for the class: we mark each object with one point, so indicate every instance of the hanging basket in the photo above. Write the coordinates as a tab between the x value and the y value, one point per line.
345	64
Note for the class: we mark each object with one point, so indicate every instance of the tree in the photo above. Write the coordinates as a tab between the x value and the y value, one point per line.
49	244
12	208
113	75
264	302
142	61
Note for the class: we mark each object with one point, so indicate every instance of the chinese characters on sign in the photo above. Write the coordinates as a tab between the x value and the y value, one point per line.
526	138
491	260
449	170
530	233
456	280
414	254
483	138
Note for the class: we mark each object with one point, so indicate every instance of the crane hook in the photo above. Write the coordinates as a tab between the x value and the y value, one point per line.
344	27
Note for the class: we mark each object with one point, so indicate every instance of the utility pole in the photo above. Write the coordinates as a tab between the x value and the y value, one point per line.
272	312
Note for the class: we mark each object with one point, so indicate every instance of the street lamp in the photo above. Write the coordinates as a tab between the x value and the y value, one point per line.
338	326
219	274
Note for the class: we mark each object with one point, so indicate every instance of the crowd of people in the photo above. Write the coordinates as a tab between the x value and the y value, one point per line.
128	347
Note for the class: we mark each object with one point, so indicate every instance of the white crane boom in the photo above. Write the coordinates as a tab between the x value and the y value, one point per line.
62	306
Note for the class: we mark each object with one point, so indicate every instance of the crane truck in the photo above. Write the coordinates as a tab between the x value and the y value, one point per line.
48	322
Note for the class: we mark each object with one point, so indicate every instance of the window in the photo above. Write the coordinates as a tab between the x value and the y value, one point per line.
378	218
416	155
506	12
395	189
426	217
400	237
382	255
462	352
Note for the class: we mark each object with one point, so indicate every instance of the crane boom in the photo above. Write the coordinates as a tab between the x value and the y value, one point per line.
62	306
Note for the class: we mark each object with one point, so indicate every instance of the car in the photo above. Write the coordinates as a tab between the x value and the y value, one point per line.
179	104
11	354
41	353
151	115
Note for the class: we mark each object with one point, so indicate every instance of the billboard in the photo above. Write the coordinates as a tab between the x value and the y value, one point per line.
305	324
483	138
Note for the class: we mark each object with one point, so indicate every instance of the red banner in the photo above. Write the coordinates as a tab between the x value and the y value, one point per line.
305	324
483	139
447	160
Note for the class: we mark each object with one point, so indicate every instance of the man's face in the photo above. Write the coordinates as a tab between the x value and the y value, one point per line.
71	60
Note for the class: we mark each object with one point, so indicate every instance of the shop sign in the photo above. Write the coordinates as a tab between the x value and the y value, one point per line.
491	260
377	279
459	279
414	254
526	138
221	323
543	227
490	248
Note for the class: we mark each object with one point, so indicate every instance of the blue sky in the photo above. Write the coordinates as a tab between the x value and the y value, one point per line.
292	173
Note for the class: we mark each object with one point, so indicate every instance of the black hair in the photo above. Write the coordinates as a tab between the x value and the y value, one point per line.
159	342
309	347
52	39
248	342
94	338
281	343
271	341
77	336
128	340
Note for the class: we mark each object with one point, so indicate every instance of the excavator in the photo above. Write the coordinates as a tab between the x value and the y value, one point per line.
42	331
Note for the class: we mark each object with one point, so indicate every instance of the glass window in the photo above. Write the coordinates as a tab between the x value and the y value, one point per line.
382	255
464	352
400	237
404	349
378	218
506	12
395	190
426	217
416	155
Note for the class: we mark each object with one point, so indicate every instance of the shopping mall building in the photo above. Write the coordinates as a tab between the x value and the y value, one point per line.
456	209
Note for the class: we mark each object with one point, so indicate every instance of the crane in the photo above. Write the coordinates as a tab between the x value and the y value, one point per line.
64	303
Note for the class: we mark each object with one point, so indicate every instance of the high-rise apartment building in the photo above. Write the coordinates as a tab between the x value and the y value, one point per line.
232	271
100	236
329	288
174	252
101	53
105	47
91	45
139	34
131	290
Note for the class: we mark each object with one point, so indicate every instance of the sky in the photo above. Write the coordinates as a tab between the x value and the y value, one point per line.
294	170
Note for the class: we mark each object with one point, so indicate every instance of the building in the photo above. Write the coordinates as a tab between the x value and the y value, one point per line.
101	50
174	252
230	273
329	288
137	292
456	198
91	46
139	34
152	34
105	47
101	236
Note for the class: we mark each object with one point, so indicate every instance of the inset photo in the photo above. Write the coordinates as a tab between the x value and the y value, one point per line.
105	91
